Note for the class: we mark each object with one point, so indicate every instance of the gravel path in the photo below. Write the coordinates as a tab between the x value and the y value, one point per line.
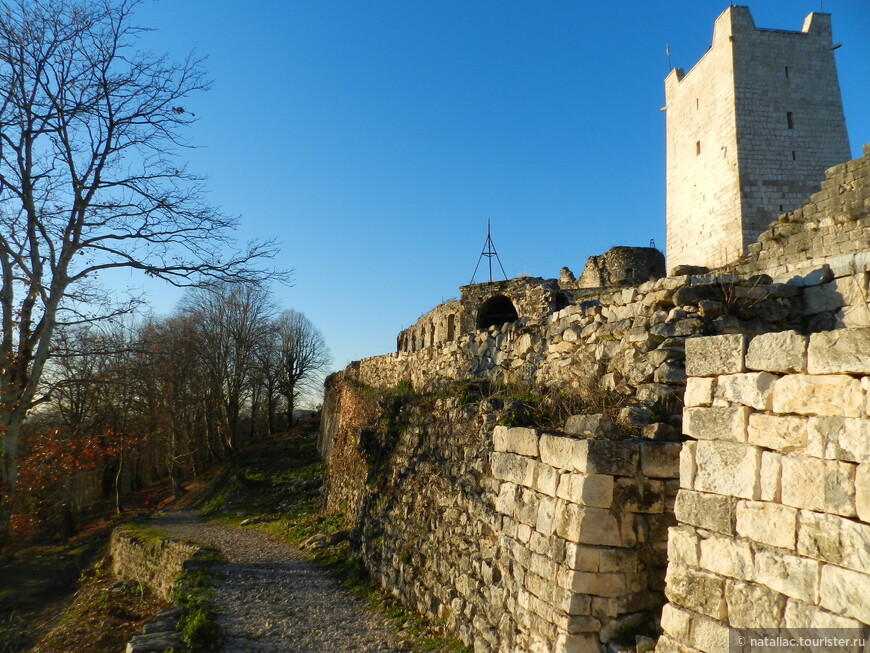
270	598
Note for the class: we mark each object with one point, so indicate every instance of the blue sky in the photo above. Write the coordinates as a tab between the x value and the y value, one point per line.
375	138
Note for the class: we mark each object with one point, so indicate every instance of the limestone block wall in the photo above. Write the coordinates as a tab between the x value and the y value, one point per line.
774	499
517	539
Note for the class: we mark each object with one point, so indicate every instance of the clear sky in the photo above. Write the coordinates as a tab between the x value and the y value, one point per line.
374	138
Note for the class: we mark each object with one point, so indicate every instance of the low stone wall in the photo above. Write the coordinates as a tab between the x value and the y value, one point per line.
774	505
155	562
518	539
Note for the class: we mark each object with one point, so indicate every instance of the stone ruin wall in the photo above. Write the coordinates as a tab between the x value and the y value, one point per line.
516	539
774	500
772	508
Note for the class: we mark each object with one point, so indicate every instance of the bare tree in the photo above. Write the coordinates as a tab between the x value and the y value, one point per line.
304	357
231	320
90	131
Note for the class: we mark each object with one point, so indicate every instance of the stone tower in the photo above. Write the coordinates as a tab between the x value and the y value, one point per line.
750	131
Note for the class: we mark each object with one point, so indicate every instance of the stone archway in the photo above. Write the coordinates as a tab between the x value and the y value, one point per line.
495	311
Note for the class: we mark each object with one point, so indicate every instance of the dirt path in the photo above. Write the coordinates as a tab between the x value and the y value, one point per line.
270	598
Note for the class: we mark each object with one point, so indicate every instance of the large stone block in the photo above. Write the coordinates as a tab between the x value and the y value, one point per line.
783	351
578	643
862	492
788	574
754	606
607	457
768	523
839	351
596	583
699	391
660	459
696	590
639	495
818	395
753	389
715	355
728	468
587	489
716	423
727	556
771	476
815	484
544	478
560	451
683	546
687	465
510	467
522	441
845	592
803	615
834	539
783	433
840	438
710	511
588	525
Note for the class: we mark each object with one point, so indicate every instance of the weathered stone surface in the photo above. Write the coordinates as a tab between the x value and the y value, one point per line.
559	451
839	351
696	590
606	457
862	492
834	539
154	643
768	523
715	355
783	351
839	438
751	605
639	495
588	525
522	441
727	556
753	389
683	546
818	395
597	426
803	615
771	476
815	484
699	391
728	468
779	432
587	489
788	574
511	467
688	469
716	423
660	460
710	511
844	591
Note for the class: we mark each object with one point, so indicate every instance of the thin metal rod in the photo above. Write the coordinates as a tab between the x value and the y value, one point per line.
489	252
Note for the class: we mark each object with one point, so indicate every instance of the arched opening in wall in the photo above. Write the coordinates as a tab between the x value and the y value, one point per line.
562	301
451	327
431	335
495	311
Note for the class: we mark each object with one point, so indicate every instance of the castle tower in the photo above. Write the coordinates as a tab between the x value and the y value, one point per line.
750	131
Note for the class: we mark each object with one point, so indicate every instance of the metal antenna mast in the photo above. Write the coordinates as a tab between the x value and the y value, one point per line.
489	252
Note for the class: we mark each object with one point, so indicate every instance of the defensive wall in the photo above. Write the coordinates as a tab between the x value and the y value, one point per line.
756	376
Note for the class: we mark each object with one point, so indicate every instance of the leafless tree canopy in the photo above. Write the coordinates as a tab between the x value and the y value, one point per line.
90	130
